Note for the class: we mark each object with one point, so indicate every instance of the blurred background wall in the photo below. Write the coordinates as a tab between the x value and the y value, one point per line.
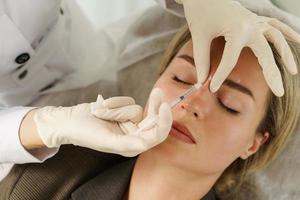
103	12
293	6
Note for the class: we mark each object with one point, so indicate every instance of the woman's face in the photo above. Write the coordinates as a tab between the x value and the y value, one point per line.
223	124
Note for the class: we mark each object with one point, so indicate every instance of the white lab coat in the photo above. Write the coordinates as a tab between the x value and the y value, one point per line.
39	54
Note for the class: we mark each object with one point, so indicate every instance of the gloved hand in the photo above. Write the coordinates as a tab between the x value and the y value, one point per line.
77	125
155	133
208	19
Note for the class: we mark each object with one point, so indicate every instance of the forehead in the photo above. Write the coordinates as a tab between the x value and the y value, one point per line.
247	71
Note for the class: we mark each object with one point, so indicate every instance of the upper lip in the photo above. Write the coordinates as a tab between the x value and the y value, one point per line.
183	130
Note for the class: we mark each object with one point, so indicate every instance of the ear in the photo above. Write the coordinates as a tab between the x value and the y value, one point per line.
258	140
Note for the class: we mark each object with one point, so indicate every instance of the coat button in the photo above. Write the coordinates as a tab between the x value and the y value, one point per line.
61	11
23	58
23	74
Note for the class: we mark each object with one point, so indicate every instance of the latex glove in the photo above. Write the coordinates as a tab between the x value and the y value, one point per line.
77	125
156	133
208	19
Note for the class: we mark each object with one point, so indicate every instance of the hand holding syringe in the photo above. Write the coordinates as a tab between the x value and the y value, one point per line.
151	120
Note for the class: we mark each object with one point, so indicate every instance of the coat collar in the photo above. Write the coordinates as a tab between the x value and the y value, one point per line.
111	184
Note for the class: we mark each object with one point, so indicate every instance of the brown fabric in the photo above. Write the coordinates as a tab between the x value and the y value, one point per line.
113	183
74	173
110	184
58	177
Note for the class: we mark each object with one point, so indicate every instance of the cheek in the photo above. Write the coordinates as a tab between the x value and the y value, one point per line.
222	142
169	88
233	134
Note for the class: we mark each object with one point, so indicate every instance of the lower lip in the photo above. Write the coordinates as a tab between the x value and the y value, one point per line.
177	134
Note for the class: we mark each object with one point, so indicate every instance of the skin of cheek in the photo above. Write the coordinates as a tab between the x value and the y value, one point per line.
222	140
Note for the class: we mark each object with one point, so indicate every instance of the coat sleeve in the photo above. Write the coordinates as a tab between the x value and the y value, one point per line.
11	149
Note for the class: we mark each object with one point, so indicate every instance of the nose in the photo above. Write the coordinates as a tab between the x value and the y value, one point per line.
198	103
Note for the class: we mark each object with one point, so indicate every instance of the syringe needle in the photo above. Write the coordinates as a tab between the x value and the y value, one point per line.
185	95
152	120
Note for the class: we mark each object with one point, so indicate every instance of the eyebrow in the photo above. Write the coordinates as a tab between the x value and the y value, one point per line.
188	58
230	83
239	87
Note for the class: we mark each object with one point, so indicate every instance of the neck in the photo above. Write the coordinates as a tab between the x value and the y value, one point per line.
155	179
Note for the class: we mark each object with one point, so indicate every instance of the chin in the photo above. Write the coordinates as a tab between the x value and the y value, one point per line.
170	152
175	153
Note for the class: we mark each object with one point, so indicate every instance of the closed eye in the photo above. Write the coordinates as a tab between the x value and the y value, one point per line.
175	78
227	109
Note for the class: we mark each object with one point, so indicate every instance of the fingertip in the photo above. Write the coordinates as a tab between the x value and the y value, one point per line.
292	68
98	104
155	100
279	90
100	98
214	85
201	76
279	93
276	85
165	117
158	92
213	88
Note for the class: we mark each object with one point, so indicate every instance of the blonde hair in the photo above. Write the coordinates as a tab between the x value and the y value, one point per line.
280	121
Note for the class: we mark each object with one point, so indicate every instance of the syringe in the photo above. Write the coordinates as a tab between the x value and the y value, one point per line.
185	95
150	121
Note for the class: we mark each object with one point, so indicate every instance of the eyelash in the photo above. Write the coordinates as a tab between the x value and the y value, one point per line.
175	78
227	109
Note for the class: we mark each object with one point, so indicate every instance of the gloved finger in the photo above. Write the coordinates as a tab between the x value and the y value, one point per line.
98	104
148	122
265	57
155	100
128	128
116	102
277	39
126	145
230	57
165	120
133	113
201	46
132	144
285	29
160	131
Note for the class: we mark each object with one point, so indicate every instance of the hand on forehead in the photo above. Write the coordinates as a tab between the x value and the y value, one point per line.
247	71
